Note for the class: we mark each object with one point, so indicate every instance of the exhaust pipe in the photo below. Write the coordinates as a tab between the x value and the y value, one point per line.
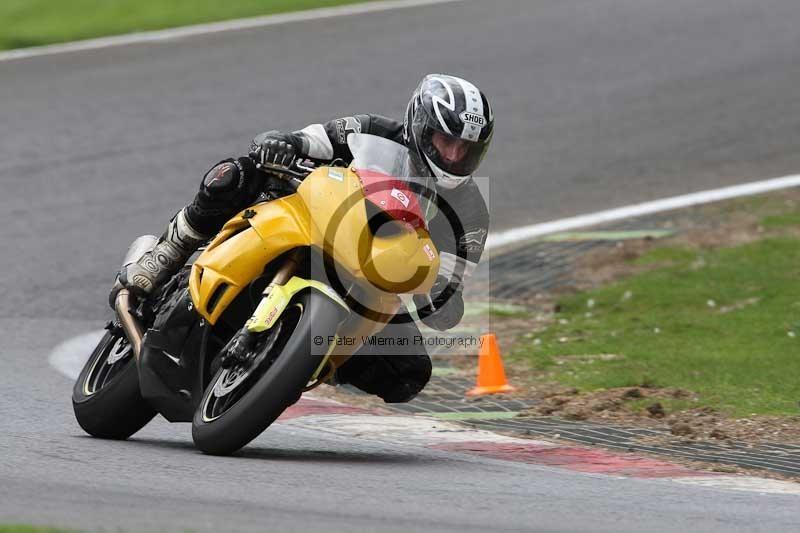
122	302
128	322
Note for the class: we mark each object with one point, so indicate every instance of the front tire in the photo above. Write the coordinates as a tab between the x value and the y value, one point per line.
106	397
235	409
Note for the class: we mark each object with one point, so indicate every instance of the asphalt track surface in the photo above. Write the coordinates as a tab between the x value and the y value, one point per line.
599	103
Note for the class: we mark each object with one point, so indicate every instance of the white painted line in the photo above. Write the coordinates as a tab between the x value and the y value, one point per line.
70	356
403	429
747	483
216	27
525	233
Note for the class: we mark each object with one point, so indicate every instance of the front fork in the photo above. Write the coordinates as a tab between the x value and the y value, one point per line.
242	342
276	297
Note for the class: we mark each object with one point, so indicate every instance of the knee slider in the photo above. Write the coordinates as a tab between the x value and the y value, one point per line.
223	178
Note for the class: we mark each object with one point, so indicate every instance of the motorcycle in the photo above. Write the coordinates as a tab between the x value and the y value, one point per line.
278	300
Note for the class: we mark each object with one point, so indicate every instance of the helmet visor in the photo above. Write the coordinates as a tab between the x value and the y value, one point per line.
449	152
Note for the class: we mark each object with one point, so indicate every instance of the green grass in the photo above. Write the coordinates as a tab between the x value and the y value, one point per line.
37	22
781	220
668	255
726	327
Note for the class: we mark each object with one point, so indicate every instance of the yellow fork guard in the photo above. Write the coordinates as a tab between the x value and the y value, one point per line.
271	307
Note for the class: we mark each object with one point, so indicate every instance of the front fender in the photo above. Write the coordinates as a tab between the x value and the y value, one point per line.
272	306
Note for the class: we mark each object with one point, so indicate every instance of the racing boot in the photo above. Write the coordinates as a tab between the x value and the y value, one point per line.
156	266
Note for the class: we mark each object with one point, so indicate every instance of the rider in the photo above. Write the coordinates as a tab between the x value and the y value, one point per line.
447	128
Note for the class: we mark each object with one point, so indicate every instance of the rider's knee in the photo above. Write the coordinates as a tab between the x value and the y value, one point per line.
225	189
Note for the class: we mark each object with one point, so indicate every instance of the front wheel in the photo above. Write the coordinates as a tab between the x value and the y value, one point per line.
242	401
106	397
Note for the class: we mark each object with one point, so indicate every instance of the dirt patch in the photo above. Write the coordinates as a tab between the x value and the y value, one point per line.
612	405
649	407
708	424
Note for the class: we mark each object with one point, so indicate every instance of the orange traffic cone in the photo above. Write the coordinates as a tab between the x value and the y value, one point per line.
491	376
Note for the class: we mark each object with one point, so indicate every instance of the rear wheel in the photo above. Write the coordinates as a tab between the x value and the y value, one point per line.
242	401
106	397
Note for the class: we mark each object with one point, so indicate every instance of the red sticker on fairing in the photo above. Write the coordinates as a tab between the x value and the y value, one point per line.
393	195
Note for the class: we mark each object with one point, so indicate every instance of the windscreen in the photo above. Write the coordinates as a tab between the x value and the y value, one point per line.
377	154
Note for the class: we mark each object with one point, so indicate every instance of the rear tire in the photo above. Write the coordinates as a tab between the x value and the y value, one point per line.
106	397
271	389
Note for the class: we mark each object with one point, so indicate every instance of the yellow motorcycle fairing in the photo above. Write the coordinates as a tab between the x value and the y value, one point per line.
327	212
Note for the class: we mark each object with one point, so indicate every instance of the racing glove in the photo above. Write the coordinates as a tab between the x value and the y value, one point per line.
275	149
448	305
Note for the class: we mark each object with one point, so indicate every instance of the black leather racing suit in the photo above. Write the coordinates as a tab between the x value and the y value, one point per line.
459	231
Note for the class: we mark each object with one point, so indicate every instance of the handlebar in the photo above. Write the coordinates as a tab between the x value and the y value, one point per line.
293	177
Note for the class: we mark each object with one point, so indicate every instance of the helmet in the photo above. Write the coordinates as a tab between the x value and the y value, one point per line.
447	128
